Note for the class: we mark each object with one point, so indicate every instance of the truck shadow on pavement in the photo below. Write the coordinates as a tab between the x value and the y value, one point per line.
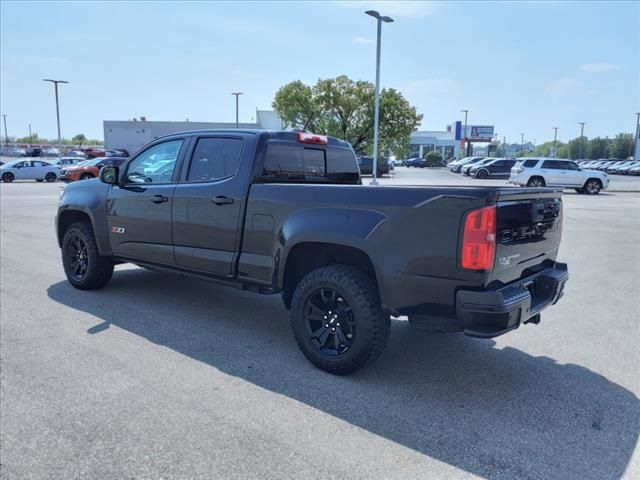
498	413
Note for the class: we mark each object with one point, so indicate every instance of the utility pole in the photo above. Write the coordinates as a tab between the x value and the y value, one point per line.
376	111
555	142
55	84
522	143
504	148
237	94
466	148
6	137
581	138
636	152
30	136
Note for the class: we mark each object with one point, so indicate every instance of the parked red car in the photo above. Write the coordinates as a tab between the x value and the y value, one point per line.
88	169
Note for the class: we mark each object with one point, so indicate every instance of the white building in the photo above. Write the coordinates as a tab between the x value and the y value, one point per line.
133	134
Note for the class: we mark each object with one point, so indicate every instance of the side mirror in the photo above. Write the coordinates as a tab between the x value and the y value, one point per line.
110	175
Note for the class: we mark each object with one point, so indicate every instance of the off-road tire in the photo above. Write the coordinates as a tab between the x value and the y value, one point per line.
372	324
99	268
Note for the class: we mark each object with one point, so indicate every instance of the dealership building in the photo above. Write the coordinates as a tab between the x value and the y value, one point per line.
133	134
449	142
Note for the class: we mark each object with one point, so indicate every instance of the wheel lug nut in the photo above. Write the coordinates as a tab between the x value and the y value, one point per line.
326	325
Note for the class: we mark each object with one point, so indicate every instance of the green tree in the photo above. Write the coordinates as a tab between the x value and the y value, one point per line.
79	139
622	146
578	148
433	158
597	148
343	108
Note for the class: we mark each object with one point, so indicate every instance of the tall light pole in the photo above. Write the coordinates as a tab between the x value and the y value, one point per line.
6	137
55	84
30	136
504	148
555	142
376	108
237	94
466	149
581	138
522	143
635	145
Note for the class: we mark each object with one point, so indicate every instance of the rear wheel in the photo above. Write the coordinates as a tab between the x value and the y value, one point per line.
482	174
337	319
536	182
592	186
50	177
8	177
86	176
85	268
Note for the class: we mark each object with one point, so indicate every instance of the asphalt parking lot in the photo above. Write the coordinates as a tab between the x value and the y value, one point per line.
159	376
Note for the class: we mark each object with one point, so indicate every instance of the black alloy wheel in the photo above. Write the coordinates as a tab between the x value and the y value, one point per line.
78	256
329	322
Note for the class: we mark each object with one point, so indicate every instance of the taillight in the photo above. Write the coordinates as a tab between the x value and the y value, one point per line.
479	239
304	137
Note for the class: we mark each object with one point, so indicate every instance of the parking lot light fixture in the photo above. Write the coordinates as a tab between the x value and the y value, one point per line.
55	84
237	94
635	144
466	149
376	111
555	142
522	144
6	137
582	124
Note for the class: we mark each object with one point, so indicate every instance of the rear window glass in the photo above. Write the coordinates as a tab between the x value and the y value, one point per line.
530	163
291	162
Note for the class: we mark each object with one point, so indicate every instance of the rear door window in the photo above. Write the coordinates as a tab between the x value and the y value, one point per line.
553	165
530	163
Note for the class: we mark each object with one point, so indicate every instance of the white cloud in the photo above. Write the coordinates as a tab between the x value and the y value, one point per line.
364	41
399	8
562	85
599	67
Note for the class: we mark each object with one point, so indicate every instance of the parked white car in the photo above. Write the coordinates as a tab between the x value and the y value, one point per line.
553	172
29	170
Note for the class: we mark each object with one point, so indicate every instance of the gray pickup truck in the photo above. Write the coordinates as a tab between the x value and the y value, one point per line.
286	212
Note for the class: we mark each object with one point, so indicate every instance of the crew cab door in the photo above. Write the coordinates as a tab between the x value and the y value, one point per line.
209	203
552	171
139	211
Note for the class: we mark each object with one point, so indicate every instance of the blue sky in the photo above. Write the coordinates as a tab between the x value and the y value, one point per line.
521	66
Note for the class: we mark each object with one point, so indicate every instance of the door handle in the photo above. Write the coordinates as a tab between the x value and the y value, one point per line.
221	200
159	199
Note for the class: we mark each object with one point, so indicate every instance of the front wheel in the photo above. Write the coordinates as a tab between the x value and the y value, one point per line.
592	187
482	174
8	177
50	177
337	319
86	176
84	267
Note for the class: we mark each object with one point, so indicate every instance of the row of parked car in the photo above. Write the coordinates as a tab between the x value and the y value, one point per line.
612	166
534	172
67	169
54	152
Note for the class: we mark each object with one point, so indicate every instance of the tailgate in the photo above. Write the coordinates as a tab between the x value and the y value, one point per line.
529	227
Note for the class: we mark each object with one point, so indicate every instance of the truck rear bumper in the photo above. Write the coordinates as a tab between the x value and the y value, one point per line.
490	313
